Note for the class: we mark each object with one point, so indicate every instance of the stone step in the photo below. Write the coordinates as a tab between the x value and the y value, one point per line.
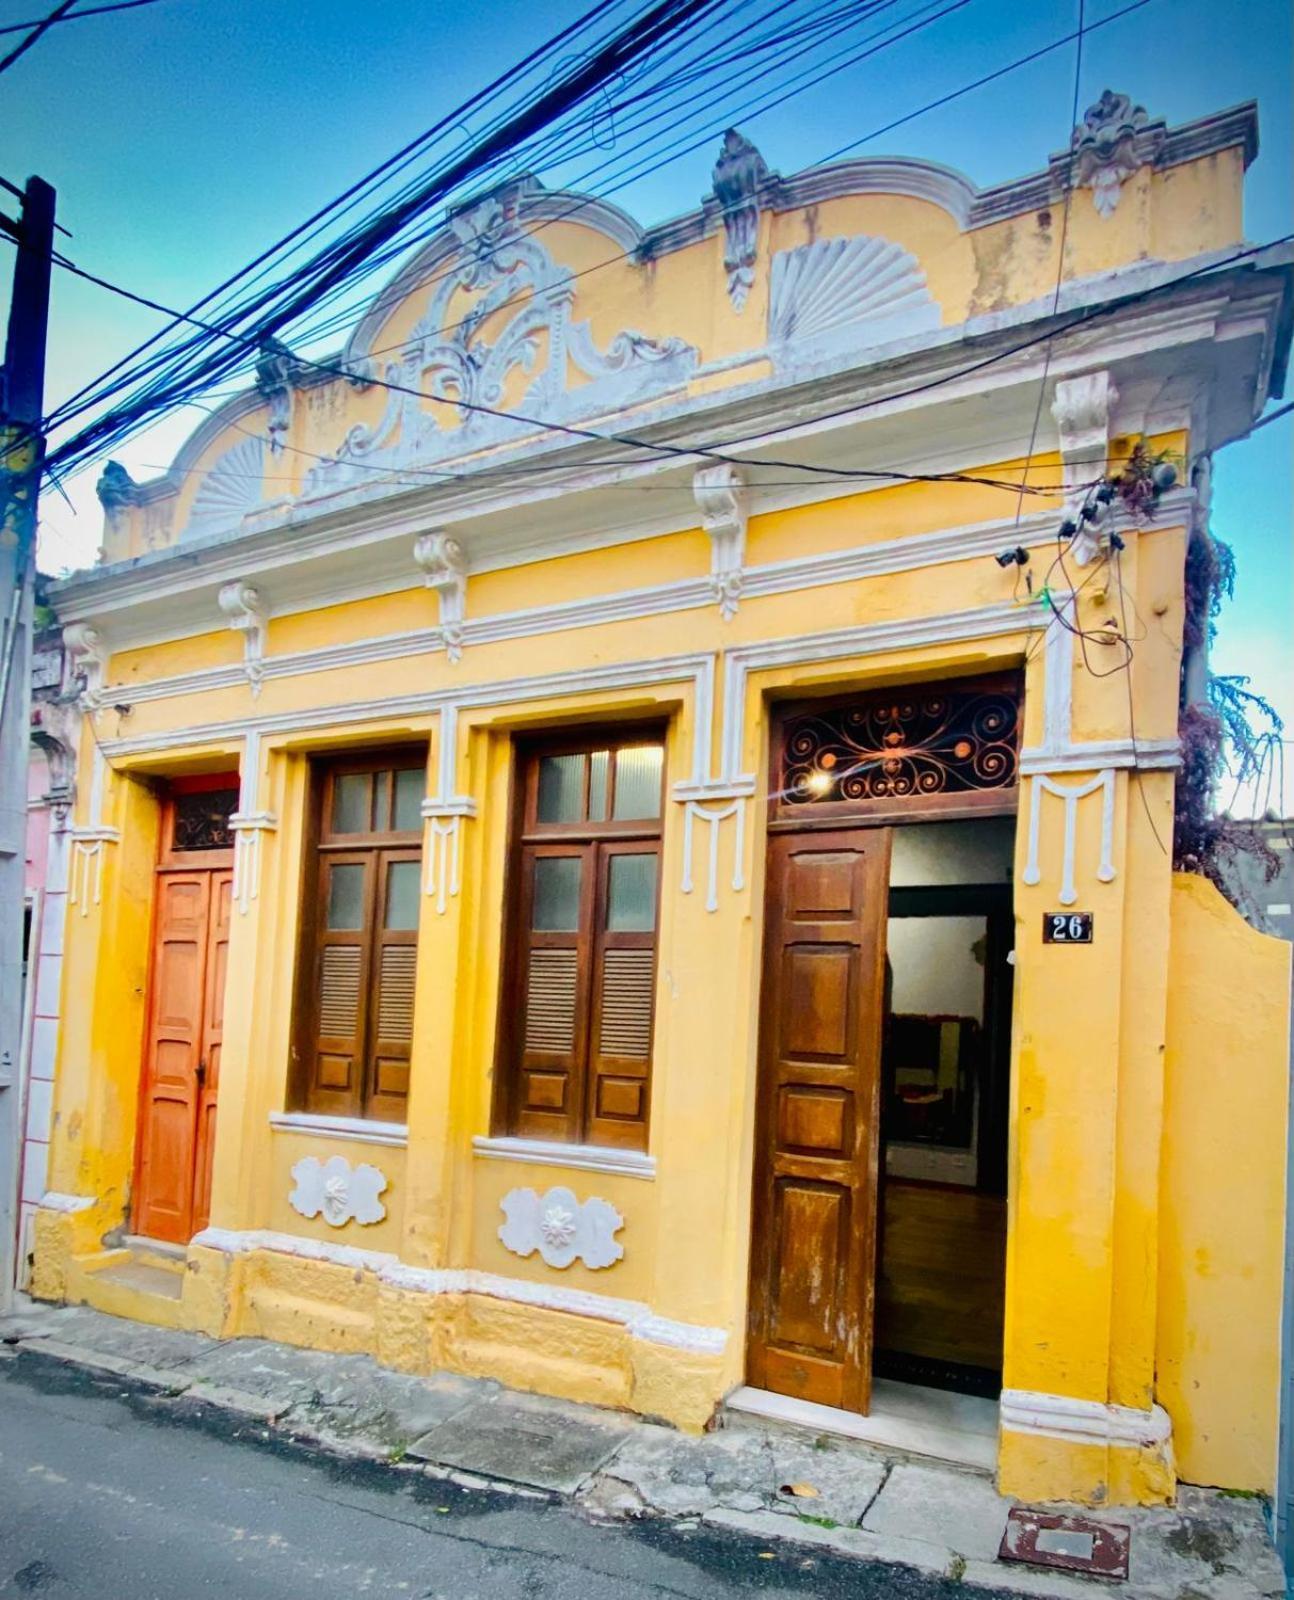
144	1278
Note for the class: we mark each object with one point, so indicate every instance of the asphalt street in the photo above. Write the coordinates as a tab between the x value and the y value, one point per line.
110	1493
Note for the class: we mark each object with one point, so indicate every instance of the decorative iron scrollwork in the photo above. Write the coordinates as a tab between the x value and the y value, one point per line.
901	744
202	820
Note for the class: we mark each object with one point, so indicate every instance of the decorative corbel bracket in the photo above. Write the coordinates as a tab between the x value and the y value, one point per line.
87	662
721	495
444	569
1084	408
245	612
739	175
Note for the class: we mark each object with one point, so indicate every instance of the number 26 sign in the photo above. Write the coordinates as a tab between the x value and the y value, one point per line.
1067	927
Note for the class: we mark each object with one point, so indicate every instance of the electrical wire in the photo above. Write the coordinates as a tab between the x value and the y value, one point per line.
362	185
345	318
76	16
874	4
648	166
399	243
59	12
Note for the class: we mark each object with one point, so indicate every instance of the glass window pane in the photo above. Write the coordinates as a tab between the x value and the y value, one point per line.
638	775
410	786
352	802
631	894
403	880
599	772
557	894
346	896
561	788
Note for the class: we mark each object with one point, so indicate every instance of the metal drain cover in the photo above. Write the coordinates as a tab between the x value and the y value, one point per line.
1071	1544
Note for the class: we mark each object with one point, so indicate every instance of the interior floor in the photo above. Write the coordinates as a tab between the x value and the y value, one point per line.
940	1285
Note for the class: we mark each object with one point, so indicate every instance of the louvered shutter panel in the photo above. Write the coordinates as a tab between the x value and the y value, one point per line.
552	991
391	1030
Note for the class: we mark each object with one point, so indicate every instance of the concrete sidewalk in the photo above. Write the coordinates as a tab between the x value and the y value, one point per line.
764	1479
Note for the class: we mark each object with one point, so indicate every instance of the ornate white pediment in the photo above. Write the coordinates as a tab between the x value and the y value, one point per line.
503	306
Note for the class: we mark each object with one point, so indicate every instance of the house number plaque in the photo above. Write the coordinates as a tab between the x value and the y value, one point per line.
1067	927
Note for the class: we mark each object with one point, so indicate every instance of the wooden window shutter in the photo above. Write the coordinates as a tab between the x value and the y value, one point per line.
355	996
577	1005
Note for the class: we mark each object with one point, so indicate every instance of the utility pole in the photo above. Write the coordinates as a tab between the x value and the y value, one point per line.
22	457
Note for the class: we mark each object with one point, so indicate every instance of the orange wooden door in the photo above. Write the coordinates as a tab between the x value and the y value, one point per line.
814	1225
182	1052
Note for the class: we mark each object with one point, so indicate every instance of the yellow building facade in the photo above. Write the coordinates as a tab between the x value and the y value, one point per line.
624	832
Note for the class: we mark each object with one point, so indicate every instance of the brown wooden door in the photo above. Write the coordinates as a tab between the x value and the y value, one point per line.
814	1226
182	1052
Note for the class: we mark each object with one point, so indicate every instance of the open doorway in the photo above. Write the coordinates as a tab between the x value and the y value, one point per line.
878	1218
945	1057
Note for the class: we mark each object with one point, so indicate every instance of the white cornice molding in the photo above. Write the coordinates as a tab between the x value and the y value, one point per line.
972	541
638	1319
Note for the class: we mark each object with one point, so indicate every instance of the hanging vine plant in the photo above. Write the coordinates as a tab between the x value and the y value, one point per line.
1232	732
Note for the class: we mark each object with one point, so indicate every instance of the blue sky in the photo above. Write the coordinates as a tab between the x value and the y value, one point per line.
184	136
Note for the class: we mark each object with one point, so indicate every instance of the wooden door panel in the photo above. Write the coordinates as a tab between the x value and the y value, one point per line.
170	1105
817	1004
819	884
811	1229
814	1223
818	1121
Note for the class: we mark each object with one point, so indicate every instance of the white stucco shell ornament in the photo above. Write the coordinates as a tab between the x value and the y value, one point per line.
337	1191
561	1228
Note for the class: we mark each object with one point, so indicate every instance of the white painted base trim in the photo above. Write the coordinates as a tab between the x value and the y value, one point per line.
638	1319
52	1201
1057	1416
923	1422
579	1157
358	1130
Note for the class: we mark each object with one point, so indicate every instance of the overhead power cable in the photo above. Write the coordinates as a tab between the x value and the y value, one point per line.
37	30
450	120
717	113
86	398
76	16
